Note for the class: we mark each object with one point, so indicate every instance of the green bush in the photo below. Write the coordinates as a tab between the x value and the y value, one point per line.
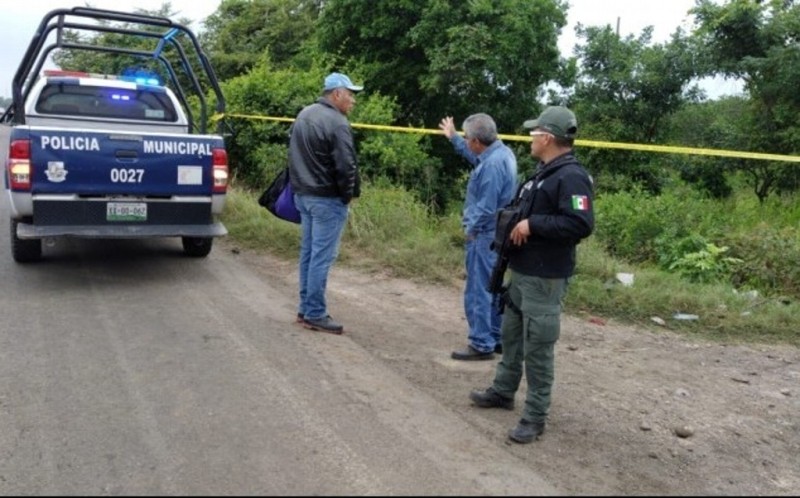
682	232
770	260
631	224
709	264
672	248
257	147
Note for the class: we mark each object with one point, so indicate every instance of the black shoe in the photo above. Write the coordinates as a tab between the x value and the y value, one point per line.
490	399
324	325
498	348
526	431
471	353
300	318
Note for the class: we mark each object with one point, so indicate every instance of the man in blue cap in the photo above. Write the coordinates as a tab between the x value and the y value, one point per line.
324	176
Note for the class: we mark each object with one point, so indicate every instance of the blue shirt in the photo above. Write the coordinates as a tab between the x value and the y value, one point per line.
492	184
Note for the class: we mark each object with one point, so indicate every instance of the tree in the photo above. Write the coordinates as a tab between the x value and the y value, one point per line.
238	33
756	41
626	88
716	124
443	57
448	58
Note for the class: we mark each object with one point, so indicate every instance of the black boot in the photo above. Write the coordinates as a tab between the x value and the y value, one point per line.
469	353
490	399
526	431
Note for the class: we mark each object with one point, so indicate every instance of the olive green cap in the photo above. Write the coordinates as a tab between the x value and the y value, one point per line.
557	120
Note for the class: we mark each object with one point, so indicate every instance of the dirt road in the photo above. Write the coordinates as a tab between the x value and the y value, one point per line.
635	411
128	369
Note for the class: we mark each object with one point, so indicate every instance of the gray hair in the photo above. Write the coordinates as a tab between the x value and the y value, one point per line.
482	127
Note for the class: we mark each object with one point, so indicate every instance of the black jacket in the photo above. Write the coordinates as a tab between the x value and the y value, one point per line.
561	215
322	157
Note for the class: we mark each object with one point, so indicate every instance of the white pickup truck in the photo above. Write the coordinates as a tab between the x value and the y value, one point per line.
101	156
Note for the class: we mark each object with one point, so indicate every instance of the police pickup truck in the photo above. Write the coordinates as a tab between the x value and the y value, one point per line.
102	156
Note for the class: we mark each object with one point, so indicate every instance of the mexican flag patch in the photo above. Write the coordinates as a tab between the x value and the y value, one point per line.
580	203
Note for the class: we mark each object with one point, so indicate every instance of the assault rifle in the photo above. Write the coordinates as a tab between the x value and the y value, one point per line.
507	219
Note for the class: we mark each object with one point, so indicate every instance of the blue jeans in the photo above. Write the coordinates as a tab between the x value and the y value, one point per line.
483	315
322	221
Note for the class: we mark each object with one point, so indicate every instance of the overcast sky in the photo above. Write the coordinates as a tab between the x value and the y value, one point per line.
20	20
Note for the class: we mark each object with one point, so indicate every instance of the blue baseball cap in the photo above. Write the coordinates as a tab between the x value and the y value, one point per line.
339	80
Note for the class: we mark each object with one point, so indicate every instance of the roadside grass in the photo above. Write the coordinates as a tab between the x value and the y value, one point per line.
722	312
389	232
253	227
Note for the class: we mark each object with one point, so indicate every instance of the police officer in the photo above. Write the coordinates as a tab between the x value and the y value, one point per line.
557	202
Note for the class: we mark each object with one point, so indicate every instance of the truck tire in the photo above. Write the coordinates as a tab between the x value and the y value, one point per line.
24	250
197	247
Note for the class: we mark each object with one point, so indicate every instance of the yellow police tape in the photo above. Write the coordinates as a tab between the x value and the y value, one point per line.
579	143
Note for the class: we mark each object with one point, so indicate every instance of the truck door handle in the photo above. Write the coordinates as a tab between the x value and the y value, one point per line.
128	156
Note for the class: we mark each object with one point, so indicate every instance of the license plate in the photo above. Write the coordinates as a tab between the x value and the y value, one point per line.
126	211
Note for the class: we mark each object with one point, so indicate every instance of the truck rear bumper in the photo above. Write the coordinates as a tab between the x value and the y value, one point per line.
28	231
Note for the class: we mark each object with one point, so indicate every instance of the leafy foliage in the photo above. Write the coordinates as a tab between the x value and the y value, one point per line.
709	264
441	58
770	254
258	150
637	226
626	89
239	32
684	233
712	124
757	41
449	58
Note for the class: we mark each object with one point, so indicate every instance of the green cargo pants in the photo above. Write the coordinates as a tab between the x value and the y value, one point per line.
531	327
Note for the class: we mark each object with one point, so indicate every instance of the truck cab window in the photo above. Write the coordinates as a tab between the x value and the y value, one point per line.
75	100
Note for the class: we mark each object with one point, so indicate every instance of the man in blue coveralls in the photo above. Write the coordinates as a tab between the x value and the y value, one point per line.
491	187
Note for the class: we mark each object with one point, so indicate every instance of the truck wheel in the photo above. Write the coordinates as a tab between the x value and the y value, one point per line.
24	250
197	247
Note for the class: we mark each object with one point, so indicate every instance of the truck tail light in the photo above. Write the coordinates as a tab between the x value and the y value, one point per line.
220	161
19	165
